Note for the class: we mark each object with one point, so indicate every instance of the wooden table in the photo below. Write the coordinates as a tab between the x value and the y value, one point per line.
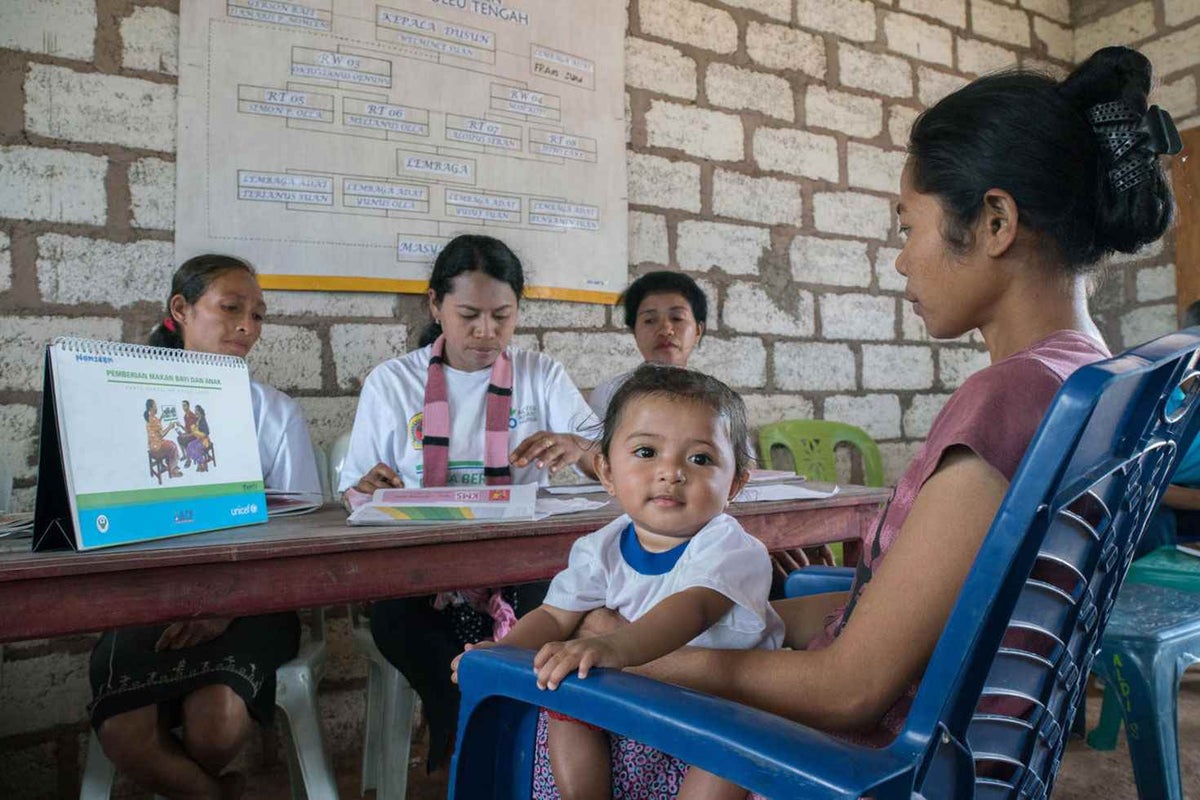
317	560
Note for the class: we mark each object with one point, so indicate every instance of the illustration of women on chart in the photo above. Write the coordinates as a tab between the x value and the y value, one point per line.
199	449
156	443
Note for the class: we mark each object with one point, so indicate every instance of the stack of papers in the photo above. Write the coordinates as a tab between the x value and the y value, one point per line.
16	524
447	504
292	504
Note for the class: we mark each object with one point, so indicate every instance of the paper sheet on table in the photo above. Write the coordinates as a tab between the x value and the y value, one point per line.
16	524
576	488
780	491
292	504
769	475
553	506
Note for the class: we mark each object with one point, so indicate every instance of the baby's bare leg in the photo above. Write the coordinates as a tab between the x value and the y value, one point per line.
701	785
580	760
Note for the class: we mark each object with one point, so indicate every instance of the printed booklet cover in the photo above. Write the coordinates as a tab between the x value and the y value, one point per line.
447	504
152	443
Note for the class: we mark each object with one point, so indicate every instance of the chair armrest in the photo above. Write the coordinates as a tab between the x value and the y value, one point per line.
754	749
818	580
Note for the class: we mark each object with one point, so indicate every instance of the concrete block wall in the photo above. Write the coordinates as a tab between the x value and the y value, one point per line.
765	141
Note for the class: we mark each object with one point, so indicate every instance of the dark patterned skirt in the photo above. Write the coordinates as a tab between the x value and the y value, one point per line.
127	673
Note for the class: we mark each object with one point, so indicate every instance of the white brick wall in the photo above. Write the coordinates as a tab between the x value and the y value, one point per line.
592	358
1001	23
849	19
1059	40
872	168
897	366
912	36
756	199
1156	283
1177	97
43	692
763	409
358	348
556	314
5	262
52	185
839	111
918	417
91	107
151	40
832	262
1059	10
734	248
23	341
689	23
152	193
1146	323
328	304
287	357
1177	12
953	12
900	122
877	414
732	87
740	362
1126	26
74	269
796	152
18	441
857	317
659	68
62	28
328	417
885	270
749	308
812	366
647	238
933	85
852	214
777	9
656	181
695	131
784	48
1173	52
979	58
956	364
875	72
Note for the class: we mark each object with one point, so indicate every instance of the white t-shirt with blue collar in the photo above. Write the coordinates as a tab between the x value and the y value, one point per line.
388	425
611	569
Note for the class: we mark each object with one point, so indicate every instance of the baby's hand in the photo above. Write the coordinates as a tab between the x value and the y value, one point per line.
557	660
458	658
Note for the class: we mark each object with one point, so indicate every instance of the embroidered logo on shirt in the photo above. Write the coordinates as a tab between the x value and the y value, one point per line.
415	434
519	416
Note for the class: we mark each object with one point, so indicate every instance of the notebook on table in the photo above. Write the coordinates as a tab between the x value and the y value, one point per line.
141	443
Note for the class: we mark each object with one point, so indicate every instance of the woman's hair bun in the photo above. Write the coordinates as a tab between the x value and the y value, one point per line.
1134	205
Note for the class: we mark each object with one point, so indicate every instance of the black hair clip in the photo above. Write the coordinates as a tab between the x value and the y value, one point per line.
1162	135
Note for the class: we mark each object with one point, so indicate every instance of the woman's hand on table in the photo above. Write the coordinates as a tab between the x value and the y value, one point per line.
179	635
380	476
552	451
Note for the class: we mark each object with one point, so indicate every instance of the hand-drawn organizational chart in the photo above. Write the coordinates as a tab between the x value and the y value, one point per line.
339	144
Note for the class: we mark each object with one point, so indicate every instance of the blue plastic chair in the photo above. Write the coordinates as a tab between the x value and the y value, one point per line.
1048	571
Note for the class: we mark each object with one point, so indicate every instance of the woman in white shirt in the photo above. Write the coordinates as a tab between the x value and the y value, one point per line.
465	408
211	677
666	312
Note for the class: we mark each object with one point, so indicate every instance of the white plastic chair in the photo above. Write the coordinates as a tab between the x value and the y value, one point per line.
322	471
296	696
387	734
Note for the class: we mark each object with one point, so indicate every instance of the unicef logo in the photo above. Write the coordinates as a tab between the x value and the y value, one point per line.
254	508
102	523
241	511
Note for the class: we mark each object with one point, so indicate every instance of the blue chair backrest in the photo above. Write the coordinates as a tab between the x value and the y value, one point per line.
1035	602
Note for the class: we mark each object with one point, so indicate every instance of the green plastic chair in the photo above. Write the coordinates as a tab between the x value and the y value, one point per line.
812	443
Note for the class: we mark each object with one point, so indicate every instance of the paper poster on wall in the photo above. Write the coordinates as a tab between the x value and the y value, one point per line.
339	144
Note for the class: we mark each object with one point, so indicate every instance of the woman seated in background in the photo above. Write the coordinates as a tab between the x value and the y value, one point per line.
208	677
666	312
464	409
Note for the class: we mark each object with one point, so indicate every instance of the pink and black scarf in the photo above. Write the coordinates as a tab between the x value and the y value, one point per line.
435	456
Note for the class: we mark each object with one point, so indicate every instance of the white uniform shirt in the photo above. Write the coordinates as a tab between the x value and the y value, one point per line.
284	448
602	395
610	569
388	425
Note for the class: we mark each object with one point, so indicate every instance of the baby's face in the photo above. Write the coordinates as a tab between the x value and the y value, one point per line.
671	467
